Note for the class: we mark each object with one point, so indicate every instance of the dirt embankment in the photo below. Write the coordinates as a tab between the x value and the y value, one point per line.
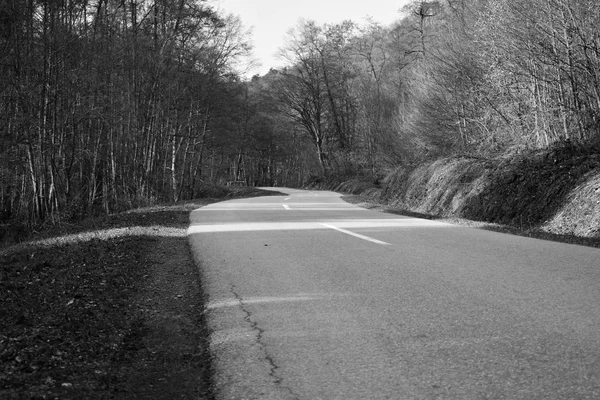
555	191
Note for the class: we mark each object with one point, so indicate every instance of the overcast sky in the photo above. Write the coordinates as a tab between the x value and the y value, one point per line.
271	19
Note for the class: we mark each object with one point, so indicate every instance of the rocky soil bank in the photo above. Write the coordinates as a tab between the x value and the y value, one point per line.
554	192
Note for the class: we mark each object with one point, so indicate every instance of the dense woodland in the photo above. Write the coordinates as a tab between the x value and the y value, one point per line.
108	104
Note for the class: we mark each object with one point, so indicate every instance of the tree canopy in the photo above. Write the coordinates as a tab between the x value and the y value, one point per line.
106	104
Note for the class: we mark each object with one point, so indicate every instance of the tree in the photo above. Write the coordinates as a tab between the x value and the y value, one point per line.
108	103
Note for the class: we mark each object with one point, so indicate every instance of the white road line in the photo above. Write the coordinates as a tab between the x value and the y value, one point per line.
404	223
286	206
287	198
356	235
275	207
262	300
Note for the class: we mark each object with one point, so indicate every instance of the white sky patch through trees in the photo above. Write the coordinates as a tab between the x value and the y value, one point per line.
272	19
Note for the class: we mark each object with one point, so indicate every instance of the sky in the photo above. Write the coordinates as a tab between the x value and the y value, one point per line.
271	19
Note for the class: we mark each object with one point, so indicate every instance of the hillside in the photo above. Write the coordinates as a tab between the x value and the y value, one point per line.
554	192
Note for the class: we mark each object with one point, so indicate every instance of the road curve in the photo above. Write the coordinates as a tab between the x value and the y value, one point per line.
314	298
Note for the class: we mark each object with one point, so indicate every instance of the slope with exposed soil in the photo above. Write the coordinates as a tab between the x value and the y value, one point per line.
553	193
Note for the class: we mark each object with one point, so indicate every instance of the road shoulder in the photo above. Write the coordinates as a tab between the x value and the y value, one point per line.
109	308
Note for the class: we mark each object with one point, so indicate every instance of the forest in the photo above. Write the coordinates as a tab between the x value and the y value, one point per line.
111	104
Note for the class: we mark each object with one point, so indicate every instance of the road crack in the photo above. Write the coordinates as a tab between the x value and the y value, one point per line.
277	380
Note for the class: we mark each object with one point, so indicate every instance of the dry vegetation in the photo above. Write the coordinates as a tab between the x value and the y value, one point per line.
106	308
138	110
78	314
552	194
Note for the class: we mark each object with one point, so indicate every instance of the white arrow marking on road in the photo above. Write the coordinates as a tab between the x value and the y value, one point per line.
286	207
356	235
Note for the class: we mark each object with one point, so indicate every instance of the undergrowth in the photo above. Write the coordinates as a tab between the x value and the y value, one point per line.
71	318
556	190
67	317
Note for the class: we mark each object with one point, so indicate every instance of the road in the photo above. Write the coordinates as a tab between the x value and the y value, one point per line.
314	298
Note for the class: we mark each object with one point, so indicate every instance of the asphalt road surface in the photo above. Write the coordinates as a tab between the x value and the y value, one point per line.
314	298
